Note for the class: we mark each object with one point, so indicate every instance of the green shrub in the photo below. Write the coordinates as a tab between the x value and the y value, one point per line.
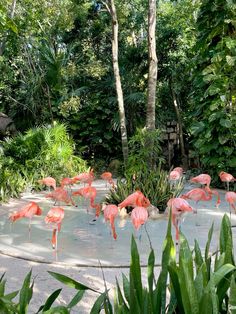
41	152
154	185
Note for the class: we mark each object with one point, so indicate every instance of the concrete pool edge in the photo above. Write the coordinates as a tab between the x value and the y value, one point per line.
82	265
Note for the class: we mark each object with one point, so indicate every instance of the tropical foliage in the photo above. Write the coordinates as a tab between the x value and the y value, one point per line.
41	152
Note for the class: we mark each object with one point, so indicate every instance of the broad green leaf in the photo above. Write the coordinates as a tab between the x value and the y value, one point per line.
58	310
188	291
135	274
25	294
232	296
198	255
98	305
51	299
11	295
151	263
226	242
206	303
76	299
175	283
226	123
70	282
120	298
207	259
126	287
168	257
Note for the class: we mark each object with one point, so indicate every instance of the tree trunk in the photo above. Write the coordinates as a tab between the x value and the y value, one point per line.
11	15
152	76
181	135
120	99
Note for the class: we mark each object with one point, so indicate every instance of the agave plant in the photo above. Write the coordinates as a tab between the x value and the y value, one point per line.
153	184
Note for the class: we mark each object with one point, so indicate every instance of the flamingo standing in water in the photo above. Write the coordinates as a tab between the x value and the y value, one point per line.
54	217
139	216
28	211
197	195
205	179
202	179
226	177
178	207
88	192
85	177
107	176
60	195
135	199
49	182
110	213
230	197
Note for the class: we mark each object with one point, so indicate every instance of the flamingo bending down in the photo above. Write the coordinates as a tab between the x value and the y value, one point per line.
110	213
60	195
85	177
230	197
202	179
49	182
54	217
178	206
197	195
135	199
28	211
89	192
107	176
226	177
139	216
67	181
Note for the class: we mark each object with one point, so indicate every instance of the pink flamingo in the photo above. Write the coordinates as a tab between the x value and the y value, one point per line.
60	195
230	197
202	179
54	217
110	213
67	181
205	179
176	174
135	199
28	211
89	192
197	195
178	206
49	182
139	216
85	177
179	169
226	177
107	176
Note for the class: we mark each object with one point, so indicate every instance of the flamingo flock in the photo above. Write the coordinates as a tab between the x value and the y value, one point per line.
137	200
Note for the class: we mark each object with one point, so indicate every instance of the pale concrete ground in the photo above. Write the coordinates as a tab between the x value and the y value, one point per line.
86	249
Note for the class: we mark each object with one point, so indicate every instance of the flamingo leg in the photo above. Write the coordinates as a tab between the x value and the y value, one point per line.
29	228
196	220
56	240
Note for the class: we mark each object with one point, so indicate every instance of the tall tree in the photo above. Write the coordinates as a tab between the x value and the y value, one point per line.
120	99
152	77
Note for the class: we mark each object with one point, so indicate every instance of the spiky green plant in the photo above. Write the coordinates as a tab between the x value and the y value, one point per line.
154	185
